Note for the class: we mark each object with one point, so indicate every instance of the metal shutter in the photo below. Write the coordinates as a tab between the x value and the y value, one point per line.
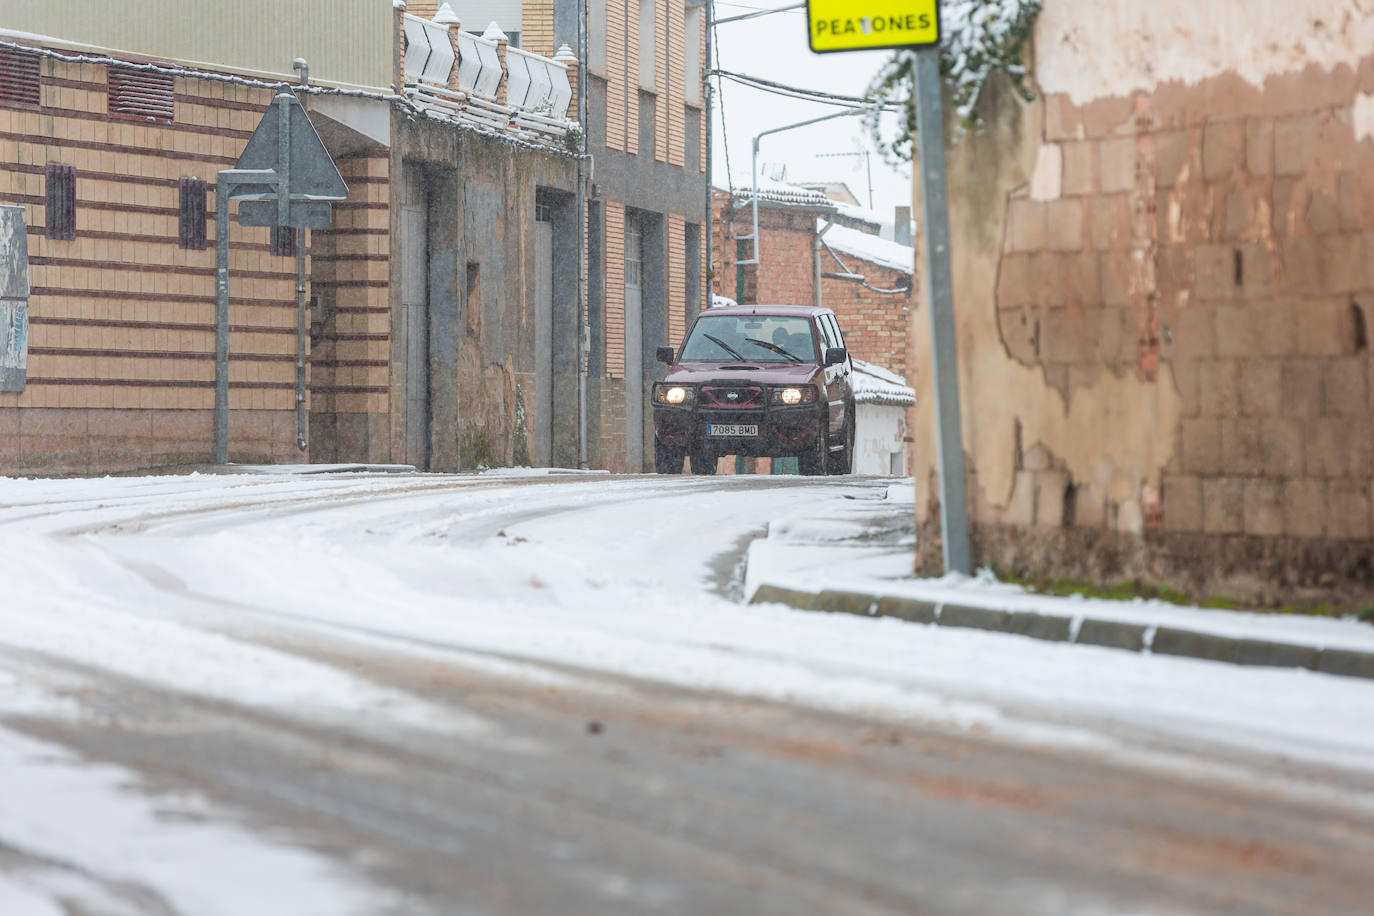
140	94
19	76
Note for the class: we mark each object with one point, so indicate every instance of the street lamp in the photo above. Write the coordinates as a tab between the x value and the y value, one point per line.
754	236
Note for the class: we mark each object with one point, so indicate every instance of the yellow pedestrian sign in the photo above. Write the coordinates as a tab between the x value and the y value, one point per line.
861	25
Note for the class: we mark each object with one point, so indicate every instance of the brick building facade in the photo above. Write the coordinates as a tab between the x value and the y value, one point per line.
443	295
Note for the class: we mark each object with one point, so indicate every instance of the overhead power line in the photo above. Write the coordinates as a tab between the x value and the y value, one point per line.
808	95
758	11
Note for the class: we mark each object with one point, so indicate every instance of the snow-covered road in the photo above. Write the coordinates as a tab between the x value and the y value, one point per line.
159	632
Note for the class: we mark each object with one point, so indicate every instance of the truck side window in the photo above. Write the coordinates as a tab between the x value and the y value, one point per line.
835	327
827	341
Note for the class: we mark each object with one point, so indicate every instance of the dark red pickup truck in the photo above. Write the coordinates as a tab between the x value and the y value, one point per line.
760	381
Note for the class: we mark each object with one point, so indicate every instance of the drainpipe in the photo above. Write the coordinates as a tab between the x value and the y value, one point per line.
301	308
709	222
582	329
816	254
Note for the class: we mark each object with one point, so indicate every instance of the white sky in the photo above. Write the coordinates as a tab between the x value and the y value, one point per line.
775	48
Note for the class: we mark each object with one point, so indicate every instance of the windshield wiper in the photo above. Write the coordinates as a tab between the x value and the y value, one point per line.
775	348
724	346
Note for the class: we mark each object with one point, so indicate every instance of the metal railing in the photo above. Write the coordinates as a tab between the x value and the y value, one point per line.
429	54
538	91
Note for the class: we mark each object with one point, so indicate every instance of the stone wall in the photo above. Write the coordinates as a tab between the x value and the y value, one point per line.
1163	289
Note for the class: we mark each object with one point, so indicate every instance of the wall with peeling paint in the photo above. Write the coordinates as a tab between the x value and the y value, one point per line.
1164	272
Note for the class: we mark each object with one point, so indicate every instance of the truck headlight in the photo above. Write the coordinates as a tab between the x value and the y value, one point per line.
794	394
674	395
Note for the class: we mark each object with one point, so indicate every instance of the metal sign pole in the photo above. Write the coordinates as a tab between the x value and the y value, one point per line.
284	177
930	127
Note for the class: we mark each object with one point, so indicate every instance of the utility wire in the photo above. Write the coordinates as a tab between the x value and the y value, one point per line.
759	12
797	92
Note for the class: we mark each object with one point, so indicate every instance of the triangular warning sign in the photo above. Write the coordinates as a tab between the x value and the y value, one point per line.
313	175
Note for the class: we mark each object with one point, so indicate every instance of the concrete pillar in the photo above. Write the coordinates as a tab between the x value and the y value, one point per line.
398	43
494	33
566	56
446	16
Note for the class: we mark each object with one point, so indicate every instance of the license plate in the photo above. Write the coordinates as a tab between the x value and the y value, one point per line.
732	429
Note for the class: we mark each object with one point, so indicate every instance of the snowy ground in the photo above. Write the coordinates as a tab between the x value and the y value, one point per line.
192	586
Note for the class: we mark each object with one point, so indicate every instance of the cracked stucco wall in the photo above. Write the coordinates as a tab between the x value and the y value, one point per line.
1163	275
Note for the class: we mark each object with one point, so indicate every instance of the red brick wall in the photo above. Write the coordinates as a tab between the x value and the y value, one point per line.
874	324
786	274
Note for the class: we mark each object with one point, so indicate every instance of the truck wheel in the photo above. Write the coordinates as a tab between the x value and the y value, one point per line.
812	461
667	460
703	460
842	462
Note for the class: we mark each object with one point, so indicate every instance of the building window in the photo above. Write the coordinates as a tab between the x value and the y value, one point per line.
61	193
512	38
647	69
283	242
648	111
691	58
140	95
19	77
191	229
691	138
634	253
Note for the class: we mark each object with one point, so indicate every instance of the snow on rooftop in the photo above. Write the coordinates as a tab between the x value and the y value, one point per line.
784	193
862	214
876	385
870	248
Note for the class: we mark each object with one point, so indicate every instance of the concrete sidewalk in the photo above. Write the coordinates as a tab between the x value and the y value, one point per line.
856	559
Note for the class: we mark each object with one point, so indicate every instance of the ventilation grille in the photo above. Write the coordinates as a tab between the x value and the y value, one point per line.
61	201
191	226
282	242
140	95
19	77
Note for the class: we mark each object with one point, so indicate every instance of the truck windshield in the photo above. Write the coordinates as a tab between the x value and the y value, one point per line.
752	338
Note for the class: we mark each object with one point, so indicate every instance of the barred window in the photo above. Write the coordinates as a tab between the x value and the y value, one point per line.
19	76
140	95
61	201
191	231
283	241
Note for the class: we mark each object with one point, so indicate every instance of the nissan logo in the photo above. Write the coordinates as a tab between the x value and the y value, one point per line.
733	395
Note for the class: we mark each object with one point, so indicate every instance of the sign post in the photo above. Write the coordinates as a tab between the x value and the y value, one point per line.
862	25
284	178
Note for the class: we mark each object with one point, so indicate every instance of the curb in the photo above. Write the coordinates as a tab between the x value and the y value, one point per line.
1110	634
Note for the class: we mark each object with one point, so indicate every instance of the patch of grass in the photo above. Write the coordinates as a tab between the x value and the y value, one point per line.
1129	589
1122	590
1314	609
475	450
520	435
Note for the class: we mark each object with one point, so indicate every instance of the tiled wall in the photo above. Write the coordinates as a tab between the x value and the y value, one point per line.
121	317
